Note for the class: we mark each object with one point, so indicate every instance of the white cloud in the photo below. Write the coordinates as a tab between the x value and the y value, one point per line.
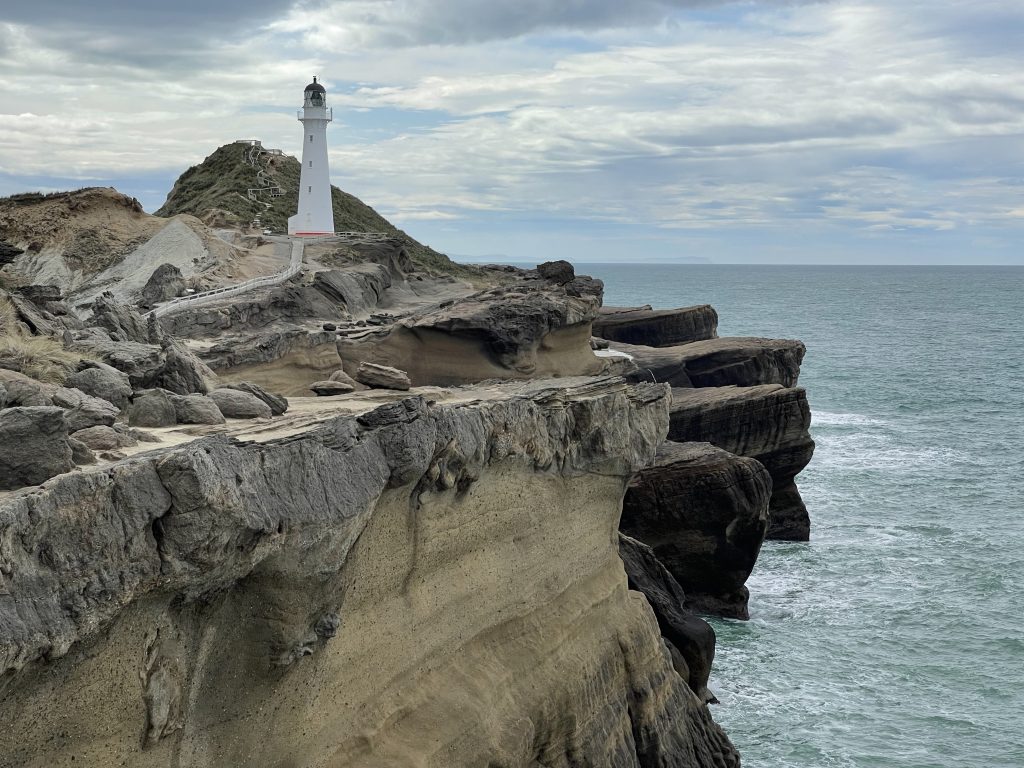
850	114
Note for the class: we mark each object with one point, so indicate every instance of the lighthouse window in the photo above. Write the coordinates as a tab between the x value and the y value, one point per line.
310	163
311	137
310	190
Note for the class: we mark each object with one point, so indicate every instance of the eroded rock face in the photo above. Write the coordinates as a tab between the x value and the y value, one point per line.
533	328
280	600
33	446
719	362
657	327
704	512
769	423
691	640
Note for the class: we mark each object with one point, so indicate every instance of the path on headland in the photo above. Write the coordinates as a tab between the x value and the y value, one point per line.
298	245
196	299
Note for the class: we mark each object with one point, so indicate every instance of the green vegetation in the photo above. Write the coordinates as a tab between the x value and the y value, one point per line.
221	181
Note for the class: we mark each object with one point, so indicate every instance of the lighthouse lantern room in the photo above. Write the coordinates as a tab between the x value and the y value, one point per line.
316	213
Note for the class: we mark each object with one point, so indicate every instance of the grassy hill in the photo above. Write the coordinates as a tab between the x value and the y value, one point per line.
220	182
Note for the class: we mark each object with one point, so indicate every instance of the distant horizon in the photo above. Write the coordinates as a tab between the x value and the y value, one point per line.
575	263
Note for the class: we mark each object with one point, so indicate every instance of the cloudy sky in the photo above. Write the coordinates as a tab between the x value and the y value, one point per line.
850	131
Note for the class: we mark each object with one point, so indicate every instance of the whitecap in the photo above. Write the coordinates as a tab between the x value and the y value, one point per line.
829	419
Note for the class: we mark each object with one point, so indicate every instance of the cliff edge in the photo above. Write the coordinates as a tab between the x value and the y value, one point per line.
415	584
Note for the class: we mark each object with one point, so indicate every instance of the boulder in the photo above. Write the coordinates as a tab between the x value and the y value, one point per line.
104	438
25	391
704	512
328	388
382	377
657	327
196	409
104	381
691	640
560	271
278	403
3	397
769	423
738	361
152	408
80	453
164	284
84	410
343	378
33	445
240	405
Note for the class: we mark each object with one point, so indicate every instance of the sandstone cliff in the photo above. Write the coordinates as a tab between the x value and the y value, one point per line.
409	585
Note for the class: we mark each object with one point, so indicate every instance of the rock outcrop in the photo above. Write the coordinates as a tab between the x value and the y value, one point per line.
657	327
380	587
139	348
284	361
769	423
690	640
719	362
531	328
704	512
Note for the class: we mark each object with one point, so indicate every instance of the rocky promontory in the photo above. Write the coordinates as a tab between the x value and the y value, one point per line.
384	510
378	573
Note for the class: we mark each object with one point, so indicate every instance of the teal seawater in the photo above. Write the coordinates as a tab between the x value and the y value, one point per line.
896	637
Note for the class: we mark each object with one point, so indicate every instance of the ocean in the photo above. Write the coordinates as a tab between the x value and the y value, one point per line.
894	638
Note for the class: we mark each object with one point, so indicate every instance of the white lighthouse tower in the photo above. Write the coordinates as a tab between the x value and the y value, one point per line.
316	214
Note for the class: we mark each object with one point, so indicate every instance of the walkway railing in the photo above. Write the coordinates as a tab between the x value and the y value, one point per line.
294	265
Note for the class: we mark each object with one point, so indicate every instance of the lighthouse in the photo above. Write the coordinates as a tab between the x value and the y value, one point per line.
316	214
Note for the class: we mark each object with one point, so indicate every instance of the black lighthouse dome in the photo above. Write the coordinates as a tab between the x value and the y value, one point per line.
315	87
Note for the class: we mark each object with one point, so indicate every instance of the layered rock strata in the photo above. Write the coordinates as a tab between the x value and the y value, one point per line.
427	585
719	362
704	513
690	640
657	327
769	423
532	328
